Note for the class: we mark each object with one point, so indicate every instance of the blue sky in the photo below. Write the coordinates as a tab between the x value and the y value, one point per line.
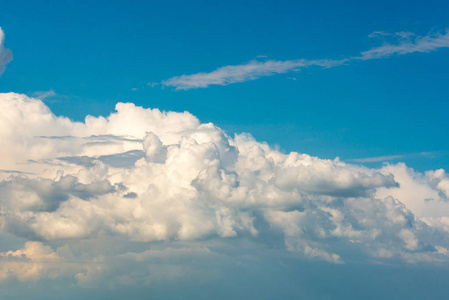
94	54
224	149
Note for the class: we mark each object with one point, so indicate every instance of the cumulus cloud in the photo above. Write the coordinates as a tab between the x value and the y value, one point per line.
5	54
102	189
36	261
28	263
403	43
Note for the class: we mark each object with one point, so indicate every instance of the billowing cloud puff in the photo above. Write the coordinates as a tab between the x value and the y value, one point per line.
88	196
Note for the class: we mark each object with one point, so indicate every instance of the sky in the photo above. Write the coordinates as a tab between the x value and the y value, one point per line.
224	149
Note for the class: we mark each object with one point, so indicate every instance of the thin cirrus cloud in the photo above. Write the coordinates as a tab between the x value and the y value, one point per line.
108	199
376	159
5	54
408	43
389	158
45	94
244	72
403	43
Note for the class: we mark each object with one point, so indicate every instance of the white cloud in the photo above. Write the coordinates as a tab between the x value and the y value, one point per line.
404	43
439	180
140	176
424	194
5	54
244	72
36	261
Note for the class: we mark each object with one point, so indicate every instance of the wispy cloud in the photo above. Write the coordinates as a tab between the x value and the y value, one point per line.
407	42
386	158
403	43
41	95
376	159
5	54
244	72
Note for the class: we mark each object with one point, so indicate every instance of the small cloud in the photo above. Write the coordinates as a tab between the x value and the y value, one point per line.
149	84
428	154
405	43
5	54
404	34
41	95
376	159
245	72
392	157
378	34
152	84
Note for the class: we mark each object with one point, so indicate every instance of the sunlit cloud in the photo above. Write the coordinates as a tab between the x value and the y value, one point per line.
108	196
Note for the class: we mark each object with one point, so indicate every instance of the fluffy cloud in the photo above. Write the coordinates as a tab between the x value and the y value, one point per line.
32	262
5	54
106	191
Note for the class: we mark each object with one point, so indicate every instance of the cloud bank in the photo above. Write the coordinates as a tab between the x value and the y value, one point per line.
5	54
110	196
402	43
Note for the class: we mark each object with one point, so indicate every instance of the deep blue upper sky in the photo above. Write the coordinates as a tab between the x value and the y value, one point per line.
96	53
